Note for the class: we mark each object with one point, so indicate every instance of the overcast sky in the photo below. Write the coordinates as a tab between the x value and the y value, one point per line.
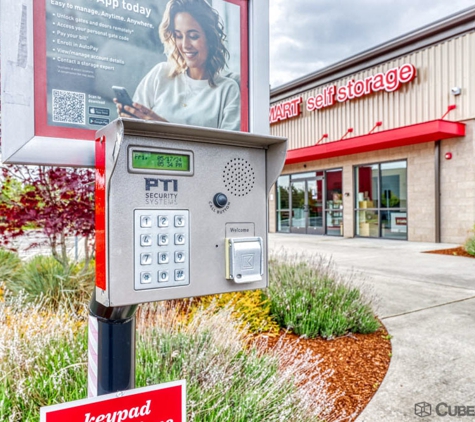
307	35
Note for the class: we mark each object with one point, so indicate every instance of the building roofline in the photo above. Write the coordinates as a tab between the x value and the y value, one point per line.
440	30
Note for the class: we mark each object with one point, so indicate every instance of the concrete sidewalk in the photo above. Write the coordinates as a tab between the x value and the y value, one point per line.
427	303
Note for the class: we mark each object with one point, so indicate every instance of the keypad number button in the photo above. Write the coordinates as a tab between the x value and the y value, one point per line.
163	276
179	257
145	259
145	221
163	258
179	221
180	239
145	240
162	221
163	239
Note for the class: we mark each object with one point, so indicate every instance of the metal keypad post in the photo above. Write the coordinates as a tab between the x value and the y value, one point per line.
162	248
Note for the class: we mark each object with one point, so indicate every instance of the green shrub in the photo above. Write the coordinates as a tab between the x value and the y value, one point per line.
43	359
470	244
44	279
10	265
310	299
228	379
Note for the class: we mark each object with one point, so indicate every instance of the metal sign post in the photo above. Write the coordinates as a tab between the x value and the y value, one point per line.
111	348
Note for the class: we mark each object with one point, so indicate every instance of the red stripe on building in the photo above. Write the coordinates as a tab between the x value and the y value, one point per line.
407	135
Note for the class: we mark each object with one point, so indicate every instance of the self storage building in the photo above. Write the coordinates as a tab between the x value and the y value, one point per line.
382	144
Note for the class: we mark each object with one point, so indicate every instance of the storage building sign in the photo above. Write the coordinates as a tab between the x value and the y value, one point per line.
389	81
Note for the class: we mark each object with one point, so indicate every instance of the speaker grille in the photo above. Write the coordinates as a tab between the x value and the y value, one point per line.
239	177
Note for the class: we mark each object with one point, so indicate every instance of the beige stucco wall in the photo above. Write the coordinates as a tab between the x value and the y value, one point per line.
458	187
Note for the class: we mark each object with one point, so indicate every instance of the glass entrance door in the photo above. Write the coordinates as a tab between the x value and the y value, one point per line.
307	206
315	207
299	205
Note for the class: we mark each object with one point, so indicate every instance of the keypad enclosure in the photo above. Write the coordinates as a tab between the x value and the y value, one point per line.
126	193
162	248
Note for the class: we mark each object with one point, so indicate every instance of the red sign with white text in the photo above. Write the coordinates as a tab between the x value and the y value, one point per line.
160	403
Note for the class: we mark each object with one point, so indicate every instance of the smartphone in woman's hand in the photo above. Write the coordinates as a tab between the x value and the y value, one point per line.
122	96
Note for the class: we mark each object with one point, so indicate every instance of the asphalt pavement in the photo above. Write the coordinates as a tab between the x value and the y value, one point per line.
427	303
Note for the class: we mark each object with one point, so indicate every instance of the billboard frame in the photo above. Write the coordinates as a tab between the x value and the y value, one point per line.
26	138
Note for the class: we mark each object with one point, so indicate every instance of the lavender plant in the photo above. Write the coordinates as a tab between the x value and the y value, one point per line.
310	298
229	376
470	243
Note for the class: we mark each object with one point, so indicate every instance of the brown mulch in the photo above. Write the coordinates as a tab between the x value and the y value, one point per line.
359	363
459	251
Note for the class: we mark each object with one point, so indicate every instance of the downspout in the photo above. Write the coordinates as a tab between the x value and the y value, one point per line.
437	191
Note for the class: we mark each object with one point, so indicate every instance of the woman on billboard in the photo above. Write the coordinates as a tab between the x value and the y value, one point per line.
188	88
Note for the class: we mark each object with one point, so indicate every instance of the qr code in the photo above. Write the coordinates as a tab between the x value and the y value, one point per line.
69	107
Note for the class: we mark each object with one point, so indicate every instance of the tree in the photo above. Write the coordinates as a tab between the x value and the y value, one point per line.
58	202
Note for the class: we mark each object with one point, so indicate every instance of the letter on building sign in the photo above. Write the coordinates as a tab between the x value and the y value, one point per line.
407	72
285	110
341	94
378	82
392	81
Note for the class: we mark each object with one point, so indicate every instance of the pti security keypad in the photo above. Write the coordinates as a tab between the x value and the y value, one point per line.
162	248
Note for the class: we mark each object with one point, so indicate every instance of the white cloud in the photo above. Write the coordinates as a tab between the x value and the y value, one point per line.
307	35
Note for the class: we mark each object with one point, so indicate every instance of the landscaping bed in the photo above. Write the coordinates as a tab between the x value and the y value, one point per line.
307	349
458	251
358	363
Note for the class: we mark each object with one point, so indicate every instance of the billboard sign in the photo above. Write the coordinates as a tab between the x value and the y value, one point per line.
160	403
71	67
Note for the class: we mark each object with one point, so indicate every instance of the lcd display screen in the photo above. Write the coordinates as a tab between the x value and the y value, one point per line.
160	161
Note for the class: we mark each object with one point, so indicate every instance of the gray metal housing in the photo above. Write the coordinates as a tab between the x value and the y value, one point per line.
244	216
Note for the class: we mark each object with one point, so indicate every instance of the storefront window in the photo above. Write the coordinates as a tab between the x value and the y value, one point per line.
283	203
283	221
299	208
334	202
394	185
307	175
283	184
368	223
381	200
310	203
394	224
367	178
394	200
